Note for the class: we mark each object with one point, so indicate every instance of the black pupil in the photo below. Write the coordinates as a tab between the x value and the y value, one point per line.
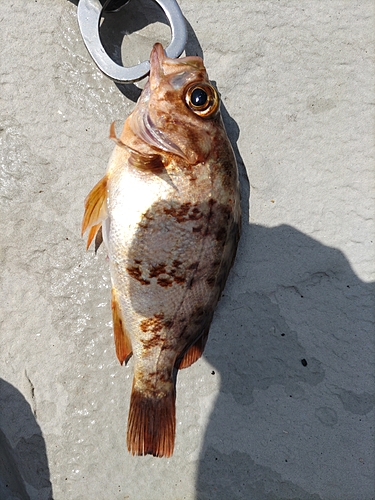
198	97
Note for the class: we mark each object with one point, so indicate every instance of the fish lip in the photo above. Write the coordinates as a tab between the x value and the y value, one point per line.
157	56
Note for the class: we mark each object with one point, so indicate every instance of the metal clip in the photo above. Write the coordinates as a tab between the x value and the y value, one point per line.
89	13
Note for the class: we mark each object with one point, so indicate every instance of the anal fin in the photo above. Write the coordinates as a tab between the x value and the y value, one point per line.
95	209
195	351
122	341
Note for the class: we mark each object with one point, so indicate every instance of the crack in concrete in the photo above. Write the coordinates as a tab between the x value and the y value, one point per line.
32	394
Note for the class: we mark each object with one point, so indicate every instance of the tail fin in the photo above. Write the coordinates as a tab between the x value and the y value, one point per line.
151	424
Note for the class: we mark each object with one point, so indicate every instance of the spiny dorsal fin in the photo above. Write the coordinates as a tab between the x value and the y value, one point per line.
122	341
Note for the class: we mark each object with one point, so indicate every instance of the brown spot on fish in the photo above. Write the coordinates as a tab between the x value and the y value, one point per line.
153	324
197	229
179	280
136	273
164	282
147	218
211	280
156	270
178	275
227	172
170	95
195	214
154	341
159	376
180	213
176	263
185	212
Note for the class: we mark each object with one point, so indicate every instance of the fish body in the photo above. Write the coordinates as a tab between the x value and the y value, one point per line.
169	207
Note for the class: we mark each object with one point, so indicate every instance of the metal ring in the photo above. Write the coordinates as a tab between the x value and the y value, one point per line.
89	13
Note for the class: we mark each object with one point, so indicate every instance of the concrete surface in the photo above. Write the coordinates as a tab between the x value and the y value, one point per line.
282	404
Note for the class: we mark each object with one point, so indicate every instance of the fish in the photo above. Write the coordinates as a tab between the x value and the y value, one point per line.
168	211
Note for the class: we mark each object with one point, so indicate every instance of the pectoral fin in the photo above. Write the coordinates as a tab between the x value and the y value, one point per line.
122	341
95	209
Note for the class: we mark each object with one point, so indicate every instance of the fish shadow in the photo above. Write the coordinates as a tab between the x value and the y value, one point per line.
24	471
293	315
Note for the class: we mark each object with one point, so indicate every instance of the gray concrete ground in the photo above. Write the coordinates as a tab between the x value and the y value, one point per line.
281	406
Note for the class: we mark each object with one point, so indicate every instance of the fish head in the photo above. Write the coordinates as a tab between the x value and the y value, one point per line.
178	111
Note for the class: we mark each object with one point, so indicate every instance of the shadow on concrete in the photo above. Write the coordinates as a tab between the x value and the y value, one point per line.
132	18
292	279
281	277
24	472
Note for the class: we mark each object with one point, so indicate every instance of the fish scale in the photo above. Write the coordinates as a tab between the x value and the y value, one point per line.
170	209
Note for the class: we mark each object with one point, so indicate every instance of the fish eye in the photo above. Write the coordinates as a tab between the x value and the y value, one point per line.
203	99
198	97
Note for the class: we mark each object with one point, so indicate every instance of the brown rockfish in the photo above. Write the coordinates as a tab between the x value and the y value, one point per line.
168	209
